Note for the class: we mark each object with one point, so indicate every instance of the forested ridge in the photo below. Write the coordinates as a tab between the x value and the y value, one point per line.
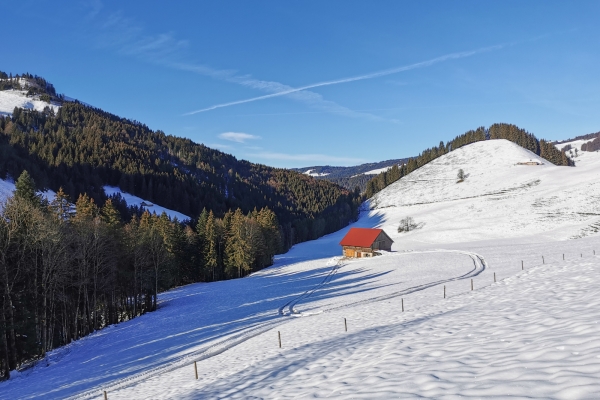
350	177
81	149
510	132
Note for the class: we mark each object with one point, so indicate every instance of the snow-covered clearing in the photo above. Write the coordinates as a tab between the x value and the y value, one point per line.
532	334
9	99
311	173
377	171
132	200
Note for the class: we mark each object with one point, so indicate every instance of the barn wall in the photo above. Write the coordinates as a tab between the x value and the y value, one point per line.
383	242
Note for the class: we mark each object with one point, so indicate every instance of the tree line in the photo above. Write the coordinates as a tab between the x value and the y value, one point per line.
592	145
510	132
67	270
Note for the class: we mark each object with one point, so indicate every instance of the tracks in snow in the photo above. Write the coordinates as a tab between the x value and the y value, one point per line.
256	329
288	308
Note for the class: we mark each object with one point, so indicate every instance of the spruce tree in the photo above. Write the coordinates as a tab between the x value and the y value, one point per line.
25	189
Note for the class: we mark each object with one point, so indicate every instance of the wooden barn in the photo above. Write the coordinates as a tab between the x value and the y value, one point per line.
363	242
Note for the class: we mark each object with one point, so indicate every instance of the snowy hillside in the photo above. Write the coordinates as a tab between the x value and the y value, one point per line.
7	187
132	200
9	99
528	329
498	198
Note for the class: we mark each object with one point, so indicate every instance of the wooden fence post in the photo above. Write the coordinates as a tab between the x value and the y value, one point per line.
105	395
563	256
444	291
345	325
543	262
196	369
471	284
522	265
279	335
402	304
494	277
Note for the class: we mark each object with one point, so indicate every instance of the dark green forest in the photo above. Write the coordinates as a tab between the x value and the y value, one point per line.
81	149
510	132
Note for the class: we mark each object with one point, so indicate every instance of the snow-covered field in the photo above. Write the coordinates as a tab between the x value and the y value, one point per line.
531	334
9	99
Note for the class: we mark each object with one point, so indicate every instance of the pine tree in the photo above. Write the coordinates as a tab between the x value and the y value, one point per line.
110	215
85	209
211	261
61	205
25	189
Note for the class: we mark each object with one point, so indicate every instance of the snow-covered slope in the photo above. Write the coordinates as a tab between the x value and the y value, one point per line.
148	205
498	198
377	171
532	334
9	99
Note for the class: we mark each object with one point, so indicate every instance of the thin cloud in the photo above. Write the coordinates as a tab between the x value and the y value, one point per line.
312	99
377	74
238	137
129	38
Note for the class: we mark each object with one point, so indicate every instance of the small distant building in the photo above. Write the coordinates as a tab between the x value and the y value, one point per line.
363	242
530	162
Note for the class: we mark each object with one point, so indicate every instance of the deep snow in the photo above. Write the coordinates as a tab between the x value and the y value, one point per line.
534	333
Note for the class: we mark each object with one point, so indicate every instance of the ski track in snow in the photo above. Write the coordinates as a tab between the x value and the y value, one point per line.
258	329
532	334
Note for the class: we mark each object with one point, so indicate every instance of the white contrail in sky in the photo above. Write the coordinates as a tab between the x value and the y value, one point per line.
355	78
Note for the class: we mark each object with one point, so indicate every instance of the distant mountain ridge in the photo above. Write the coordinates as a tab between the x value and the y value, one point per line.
350	177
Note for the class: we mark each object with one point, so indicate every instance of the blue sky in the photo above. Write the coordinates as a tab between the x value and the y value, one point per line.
303	83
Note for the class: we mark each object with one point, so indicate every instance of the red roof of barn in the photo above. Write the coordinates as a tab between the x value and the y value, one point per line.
360	237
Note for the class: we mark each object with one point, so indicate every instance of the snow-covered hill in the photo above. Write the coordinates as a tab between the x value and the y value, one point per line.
9	99
528	330
498	198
